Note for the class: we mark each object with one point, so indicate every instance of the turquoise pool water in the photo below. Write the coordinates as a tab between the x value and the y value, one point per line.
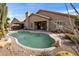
34	40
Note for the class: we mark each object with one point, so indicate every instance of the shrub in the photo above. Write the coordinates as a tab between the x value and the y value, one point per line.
1	35
64	53
73	38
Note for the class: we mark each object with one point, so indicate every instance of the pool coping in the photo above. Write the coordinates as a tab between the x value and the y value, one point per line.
39	49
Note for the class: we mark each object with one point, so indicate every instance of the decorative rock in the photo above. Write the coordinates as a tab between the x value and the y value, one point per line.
2	43
3	39
9	40
58	43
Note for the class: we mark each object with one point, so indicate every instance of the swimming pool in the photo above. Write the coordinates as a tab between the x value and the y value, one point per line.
34	40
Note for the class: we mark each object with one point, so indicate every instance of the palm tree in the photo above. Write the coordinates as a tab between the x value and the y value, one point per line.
7	23
3	17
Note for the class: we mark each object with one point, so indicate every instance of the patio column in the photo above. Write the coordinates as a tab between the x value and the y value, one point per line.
47	25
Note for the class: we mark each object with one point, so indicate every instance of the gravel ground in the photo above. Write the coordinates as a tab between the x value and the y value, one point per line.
15	50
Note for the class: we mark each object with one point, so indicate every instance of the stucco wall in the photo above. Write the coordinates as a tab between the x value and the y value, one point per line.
26	24
52	23
33	19
58	18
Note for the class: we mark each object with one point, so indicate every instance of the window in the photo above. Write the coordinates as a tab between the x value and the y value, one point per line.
60	23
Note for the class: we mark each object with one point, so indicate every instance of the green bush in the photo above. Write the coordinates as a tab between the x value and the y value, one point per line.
1	35
64	53
73	38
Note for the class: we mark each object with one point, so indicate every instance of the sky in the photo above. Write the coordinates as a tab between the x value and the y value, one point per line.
18	10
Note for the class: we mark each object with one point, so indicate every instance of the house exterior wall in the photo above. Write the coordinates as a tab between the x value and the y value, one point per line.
55	18
33	19
56	22
26	24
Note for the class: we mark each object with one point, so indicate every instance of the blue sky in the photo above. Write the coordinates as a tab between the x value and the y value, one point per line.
18	9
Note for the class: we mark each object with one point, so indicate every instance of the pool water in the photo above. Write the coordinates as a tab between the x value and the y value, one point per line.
34	40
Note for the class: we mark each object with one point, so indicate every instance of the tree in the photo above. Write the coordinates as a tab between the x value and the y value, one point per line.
77	22
7	23
76	30
72	26
3	17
